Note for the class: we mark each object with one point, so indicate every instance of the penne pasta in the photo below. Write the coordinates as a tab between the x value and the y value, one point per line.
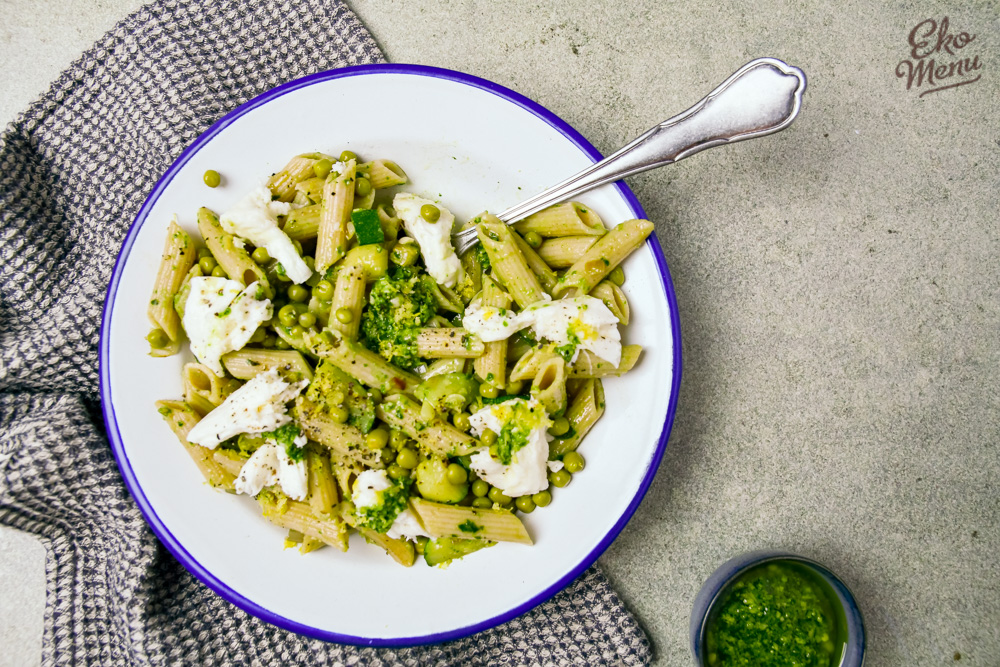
549	385
203	389
362	364
602	258
493	362
298	515
179	255
235	261
323	493
566	219
401	551
546	276
299	168
349	296
509	265
383	174
338	202
442	520
584	411
345	440
563	251
245	364
303	223
448	342
614	298
587	364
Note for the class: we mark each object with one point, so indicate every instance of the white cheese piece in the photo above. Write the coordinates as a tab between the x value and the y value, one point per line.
366	494
584	321
257	406
255	218
434	238
220	316
527	472
407	526
556	466
270	465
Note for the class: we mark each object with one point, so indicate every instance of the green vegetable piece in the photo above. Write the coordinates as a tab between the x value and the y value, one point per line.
433	482
448	391
430	213
285	437
330	382
445	549
501	399
367	227
469	526
399	304
212	178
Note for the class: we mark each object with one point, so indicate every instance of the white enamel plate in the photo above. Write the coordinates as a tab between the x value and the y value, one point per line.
475	146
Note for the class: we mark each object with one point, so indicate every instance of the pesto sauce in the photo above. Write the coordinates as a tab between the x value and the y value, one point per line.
776	614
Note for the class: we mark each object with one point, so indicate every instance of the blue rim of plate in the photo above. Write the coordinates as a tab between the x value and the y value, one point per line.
117	445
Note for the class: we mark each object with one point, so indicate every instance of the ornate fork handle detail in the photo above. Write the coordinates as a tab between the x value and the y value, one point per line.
762	97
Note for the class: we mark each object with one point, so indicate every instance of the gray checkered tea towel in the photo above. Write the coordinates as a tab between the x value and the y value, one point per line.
74	170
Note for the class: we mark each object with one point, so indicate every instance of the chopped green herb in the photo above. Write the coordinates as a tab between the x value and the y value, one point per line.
469	526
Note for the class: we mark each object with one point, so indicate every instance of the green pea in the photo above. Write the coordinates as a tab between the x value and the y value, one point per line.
498	496
323	290
388	455
298	246
259	335
296	331
377	438
457	474
362	186
560	478
515	387
525	504
482	503
347	155
533	239
480	488
219	272
203	252
345	315
269	341
617	276
574	462
375	395
158	339
421	544
300	307
287	316
281	344
397	439
298	293
260	255
307	320
322	167
430	213
541	499
560	426
207	264
339	413
398	472
404	254
212	178
488	390
461	421
407	458
338	397
488	438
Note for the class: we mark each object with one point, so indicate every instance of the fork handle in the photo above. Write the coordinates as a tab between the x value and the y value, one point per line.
762	97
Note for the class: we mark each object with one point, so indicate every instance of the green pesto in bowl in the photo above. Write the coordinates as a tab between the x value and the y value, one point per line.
776	614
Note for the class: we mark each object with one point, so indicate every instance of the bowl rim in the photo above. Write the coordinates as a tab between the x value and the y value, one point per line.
117	445
750	560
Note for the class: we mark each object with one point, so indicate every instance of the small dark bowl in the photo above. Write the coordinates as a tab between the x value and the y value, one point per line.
854	654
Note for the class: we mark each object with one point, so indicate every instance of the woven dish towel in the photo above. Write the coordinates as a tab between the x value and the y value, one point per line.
74	170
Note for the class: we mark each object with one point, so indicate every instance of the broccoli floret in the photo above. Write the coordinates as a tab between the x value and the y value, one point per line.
399	304
328	381
392	501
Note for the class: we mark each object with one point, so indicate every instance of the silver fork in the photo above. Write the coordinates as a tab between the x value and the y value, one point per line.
762	97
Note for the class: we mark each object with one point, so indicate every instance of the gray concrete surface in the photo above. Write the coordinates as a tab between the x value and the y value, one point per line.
839	291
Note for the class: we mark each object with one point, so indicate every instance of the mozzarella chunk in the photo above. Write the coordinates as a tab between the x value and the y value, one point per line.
407	526
255	218
583	322
257	406
220	316
366	494
270	465
527	473
434	238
